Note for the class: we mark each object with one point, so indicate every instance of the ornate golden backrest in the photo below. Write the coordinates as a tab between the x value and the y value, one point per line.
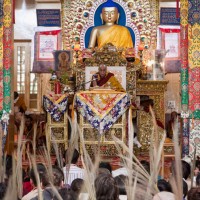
111	56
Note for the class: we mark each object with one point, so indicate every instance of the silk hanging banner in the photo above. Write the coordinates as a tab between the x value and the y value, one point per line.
45	43
1	56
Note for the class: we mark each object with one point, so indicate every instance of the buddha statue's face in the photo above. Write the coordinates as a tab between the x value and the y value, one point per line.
110	14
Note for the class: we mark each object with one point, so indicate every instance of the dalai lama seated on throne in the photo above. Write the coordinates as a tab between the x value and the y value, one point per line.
106	80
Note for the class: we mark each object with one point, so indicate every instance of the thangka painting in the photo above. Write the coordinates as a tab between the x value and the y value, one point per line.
45	43
62	60
170	38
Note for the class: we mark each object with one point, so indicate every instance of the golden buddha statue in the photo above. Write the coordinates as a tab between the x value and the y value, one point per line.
110	32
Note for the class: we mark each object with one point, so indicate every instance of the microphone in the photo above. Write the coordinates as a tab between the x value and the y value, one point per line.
76	87
94	78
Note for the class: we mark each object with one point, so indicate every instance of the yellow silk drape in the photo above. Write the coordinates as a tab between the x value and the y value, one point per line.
118	35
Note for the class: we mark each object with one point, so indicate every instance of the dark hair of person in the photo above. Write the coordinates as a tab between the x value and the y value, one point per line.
194	193
41	171
163	185
105	165
185	189
28	117
106	188
8	166
45	179
146	165
186	169
198	180
103	171
77	185
16	95
121	184
58	176
66	194
3	188
74	158
197	164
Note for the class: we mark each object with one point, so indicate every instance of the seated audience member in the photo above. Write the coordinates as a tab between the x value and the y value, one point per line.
185	190
34	192
194	193
66	194
77	186
163	185
106	165
103	171
28	130
106	188
58	177
71	170
19	109
121	184
164	196
3	188
198	180
196	172
146	165
145	104
27	186
186	170
19	103
170	124
120	171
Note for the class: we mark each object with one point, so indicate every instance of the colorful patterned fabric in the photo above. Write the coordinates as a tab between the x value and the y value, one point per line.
184	74
6	34
184	54
7	53
102	108
194	89
1	12
194	41
55	108
194	8
1	69
194	137
190	73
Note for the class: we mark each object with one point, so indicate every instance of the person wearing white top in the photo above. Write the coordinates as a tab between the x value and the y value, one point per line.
72	171
164	196
120	171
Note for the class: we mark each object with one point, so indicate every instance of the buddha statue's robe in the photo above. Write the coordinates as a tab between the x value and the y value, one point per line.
118	35
109	81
